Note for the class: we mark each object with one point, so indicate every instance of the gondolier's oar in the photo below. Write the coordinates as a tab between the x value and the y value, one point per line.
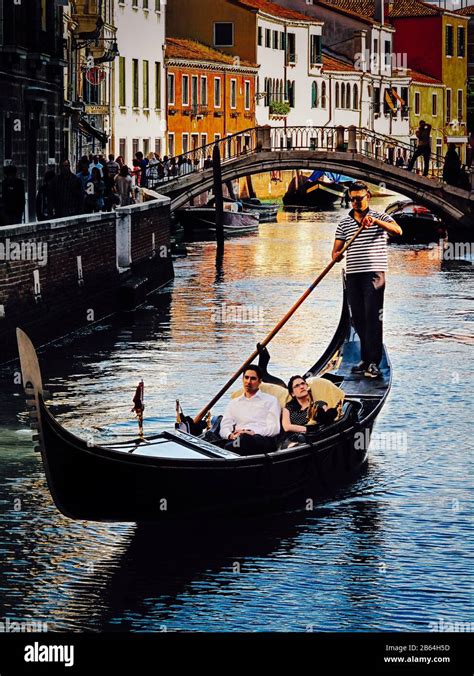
275	330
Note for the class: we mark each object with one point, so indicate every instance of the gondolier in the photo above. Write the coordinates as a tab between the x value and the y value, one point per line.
365	269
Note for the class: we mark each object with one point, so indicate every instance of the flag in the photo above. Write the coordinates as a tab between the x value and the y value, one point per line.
389	100
398	98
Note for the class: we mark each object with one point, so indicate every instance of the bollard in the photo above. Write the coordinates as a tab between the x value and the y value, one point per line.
340	138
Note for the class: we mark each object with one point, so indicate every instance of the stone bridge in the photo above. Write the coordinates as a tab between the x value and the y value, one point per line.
358	153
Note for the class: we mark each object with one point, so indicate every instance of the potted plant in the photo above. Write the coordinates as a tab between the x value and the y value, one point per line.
279	108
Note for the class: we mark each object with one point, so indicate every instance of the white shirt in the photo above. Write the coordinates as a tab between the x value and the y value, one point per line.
260	414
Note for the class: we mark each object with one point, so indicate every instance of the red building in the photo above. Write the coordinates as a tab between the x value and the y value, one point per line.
210	95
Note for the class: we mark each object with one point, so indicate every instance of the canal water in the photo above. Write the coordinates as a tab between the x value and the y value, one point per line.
391	552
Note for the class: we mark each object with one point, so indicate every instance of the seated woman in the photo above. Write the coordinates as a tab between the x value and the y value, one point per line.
302	407
295	413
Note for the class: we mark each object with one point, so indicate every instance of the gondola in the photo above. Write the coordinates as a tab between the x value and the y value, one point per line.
199	223
318	190
419	224
175	475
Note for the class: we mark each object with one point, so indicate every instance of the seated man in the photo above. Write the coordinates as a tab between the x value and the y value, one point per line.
251	422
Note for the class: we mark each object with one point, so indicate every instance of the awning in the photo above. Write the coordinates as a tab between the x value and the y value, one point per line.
457	139
88	130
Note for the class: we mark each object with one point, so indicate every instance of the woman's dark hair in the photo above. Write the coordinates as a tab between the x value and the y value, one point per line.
124	170
291	381
95	174
253	367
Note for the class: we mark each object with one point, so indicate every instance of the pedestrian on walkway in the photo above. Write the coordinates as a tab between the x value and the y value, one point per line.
96	164
84	176
365	272
124	186
95	198
12	197
143	164
44	201
67	193
113	168
452	166
423	149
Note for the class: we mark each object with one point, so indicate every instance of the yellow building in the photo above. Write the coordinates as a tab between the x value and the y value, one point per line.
427	99
435	42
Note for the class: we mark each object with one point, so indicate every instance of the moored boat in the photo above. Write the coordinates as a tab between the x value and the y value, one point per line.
266	211
419	224
319	190
178	475
199	223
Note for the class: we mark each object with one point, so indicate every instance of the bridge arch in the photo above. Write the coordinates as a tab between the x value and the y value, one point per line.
455	206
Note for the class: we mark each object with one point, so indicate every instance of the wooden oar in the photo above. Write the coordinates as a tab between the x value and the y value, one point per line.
275	330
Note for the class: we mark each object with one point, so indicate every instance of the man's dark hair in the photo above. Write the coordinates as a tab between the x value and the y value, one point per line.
358	185
10	170
253	367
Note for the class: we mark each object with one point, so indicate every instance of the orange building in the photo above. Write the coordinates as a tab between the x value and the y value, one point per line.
210	95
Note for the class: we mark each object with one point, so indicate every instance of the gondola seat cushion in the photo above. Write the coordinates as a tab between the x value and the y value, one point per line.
321	389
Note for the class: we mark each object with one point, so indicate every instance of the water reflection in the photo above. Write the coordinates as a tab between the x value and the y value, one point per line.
391	551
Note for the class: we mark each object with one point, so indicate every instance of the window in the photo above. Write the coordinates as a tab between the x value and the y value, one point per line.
282	41
203	90
291	48
185	90
203	140
348	95
158	146
405	104
195	90
449	40
233	93
460	105
158	9
171	88
171	145
146	84
224	34
260	36
461	41
417	103
136	84
247	94
157	85
376	50
337	95
376	100
314	95
135	146
268	37
123	149
315	49
51	138
135	3
343	95
387	54
275	39
122	83
434	104
217	92
355	97
449	105
146	146
185	143
43	21
145	4
290	93
323	95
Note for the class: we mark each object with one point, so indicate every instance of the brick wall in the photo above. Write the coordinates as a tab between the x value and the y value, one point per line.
47	292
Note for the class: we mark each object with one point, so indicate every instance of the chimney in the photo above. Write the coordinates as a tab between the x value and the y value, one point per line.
379	11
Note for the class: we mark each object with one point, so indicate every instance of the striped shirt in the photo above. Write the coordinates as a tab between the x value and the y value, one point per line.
369	251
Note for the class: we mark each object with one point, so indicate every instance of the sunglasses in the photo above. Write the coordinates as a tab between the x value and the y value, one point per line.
359	199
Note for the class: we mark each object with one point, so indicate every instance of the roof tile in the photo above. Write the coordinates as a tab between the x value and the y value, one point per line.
274	10
180	48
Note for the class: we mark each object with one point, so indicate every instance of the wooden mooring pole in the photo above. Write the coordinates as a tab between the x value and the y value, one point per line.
218	196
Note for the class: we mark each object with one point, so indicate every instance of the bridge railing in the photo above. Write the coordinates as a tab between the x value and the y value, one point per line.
365	142
200	158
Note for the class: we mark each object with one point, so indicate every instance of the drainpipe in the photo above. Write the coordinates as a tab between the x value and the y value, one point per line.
329	97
